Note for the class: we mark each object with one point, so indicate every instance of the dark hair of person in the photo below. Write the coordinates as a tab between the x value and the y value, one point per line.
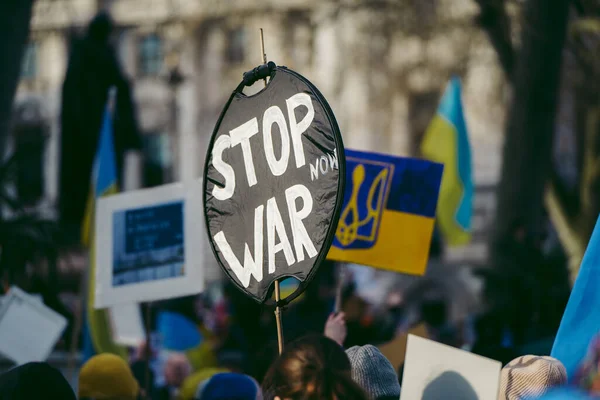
313	367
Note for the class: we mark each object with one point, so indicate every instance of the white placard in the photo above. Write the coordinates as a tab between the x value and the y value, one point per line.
127	325
149	245
28	329
35	297
435	371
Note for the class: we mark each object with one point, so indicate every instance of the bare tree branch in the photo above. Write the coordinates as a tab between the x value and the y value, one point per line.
15	16
494	20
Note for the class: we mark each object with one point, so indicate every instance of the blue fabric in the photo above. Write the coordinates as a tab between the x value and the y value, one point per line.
229	386
451	109
177	332
565	394
105	167
580	322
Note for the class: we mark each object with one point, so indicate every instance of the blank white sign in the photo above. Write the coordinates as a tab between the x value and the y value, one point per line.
28	329
127	325
433	371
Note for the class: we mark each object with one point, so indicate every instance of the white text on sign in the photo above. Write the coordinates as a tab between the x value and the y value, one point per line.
242	134
301	240
299	200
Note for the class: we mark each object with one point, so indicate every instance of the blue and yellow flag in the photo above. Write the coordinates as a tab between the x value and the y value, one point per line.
446	141
580	325
104	183
389	211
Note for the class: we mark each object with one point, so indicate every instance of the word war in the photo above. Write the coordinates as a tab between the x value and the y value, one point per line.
253	265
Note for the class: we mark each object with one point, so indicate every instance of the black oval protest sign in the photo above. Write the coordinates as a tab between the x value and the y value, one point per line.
274	184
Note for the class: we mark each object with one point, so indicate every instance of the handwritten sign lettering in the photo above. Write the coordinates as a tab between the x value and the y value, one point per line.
274	183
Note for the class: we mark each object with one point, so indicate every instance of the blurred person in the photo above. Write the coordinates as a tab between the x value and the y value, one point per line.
107	376
529	377
264	358
228	362
493	338
145	377
360	330
527	289
390	316
241	329
374	373
312	368
34	380
177	369
229	386
190	385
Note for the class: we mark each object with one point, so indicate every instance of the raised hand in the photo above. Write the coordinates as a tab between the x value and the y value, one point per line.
335	328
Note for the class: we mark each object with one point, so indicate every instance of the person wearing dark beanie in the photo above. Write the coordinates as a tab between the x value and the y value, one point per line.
373	372
35	380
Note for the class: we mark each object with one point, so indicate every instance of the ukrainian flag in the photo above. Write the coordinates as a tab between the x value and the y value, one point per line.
388	214
446	141
104	183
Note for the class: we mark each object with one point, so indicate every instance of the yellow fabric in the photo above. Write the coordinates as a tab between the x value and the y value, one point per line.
190	385
98	320
86	227
107	376
401	246
439	144
202	356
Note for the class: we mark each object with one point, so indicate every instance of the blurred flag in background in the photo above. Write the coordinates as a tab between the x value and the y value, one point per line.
446	141
97	330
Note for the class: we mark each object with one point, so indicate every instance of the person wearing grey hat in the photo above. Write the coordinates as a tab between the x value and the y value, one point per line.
373	372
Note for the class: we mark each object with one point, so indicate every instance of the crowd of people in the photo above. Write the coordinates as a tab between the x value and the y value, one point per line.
315	366
232	352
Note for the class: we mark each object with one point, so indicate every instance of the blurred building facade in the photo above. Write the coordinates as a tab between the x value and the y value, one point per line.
382	65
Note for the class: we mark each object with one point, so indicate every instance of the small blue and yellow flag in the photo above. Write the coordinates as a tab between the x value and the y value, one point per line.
388	214
287	287
104	183
446	141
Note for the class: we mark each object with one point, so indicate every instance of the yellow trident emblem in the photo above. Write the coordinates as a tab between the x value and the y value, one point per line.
350	220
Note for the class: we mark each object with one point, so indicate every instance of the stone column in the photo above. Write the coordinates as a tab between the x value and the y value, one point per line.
52	61
190	157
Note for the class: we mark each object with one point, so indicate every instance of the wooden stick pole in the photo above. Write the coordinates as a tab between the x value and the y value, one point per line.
338	290
277	289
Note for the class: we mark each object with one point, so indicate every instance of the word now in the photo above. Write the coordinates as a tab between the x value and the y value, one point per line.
253	265
324	164
242	134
